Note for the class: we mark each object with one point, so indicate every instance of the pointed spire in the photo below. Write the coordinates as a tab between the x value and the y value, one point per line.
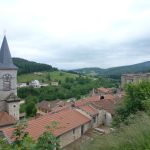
5	56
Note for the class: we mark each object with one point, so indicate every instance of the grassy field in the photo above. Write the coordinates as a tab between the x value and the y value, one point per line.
135	136
56	75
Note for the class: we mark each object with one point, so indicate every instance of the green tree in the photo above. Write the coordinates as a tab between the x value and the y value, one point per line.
48	138
4	144
137	98
31	109
22	140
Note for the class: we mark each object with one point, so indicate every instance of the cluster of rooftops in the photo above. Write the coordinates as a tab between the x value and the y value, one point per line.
67	114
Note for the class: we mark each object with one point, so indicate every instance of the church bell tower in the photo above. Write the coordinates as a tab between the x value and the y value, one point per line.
9	102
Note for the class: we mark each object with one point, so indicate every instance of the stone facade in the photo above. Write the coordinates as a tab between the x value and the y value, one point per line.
13	109
133	78
73	134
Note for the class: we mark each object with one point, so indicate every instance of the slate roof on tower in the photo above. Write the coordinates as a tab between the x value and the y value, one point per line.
5	56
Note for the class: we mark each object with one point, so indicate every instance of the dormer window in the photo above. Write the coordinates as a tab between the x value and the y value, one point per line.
7	82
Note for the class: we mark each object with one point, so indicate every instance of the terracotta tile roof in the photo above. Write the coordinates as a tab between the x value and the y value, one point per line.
103	90
87	100
109	97
89	109
6	119
68	119
108	103
105	104
51	105
47	105
59	108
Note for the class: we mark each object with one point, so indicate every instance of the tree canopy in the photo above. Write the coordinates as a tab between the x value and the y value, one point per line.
137	98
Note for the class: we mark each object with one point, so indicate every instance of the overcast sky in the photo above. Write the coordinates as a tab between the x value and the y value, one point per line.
71	34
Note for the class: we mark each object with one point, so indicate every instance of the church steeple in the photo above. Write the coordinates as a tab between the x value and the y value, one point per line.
5	56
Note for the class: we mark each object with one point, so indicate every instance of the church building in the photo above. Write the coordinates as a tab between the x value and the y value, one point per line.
9	102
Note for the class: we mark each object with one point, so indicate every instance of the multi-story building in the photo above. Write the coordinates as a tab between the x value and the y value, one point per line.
133	78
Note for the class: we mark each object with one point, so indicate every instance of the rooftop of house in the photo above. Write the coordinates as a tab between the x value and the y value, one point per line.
104	90
5	56
109	97
12	98
87	100
50	105
6	119
67	119
89	110
106	105
136	74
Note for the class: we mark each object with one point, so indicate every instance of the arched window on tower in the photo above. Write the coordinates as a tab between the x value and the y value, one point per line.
7	82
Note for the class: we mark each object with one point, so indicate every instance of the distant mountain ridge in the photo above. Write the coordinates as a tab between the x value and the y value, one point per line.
116	71
26	66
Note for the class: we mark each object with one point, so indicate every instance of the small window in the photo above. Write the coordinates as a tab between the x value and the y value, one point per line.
73	131
14	106
7	82
82	129
94	119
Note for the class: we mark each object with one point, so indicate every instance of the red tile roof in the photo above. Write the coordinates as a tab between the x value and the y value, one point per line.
68	119
87	100
103	90
52	106
105	104
108	103
109	97
6	119
89	109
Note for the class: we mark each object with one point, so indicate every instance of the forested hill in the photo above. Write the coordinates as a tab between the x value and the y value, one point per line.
26	66
136	68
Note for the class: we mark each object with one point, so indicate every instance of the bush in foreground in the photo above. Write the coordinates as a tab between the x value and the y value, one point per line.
135	136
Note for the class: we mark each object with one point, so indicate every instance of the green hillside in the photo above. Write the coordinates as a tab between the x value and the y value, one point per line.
136	68
46	76
25	66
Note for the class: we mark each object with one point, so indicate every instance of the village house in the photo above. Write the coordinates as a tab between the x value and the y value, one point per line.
103	91
37	84
104	104
38	73
133	78
44	107
20	85
54	83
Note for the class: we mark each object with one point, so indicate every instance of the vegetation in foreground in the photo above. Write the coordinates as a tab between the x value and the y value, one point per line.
135	136
22	140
